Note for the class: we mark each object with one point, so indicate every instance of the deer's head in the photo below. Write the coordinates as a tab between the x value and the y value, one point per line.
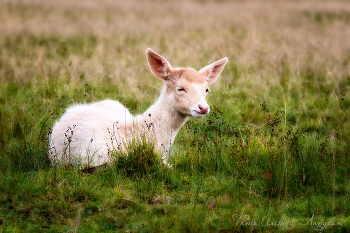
186	88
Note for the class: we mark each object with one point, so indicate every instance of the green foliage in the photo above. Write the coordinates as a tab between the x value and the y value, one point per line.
140	159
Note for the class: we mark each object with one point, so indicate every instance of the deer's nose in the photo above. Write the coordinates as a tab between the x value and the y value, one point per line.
203	108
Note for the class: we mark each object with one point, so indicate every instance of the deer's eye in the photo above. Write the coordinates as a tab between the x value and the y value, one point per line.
180	89
207	90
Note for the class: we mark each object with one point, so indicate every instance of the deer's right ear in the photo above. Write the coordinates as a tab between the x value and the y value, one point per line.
212	72
159	66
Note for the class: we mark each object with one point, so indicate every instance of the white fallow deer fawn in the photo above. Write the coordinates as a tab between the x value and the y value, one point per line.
87	133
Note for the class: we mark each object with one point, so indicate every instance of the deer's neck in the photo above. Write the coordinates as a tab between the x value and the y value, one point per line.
162	121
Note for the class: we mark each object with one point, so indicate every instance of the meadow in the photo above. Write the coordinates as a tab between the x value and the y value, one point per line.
273	155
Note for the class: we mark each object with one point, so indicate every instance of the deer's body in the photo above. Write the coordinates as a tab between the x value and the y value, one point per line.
87	133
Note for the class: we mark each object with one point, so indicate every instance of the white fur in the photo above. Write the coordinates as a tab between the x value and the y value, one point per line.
87	133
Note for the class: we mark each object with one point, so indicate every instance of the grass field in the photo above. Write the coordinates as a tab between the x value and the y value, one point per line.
272	156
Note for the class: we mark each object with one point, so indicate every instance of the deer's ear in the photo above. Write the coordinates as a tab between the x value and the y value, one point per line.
159	66
212	72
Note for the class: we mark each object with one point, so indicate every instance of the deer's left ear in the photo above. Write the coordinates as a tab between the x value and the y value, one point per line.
159	66
212	72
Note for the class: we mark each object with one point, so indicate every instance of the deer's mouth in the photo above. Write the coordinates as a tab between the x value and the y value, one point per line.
200	110
196	113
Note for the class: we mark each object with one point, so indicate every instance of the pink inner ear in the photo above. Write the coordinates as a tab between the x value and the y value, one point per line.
215	69
213	73
157	61
158	65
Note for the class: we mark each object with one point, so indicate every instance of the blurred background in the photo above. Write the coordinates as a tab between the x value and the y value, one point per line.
108	38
